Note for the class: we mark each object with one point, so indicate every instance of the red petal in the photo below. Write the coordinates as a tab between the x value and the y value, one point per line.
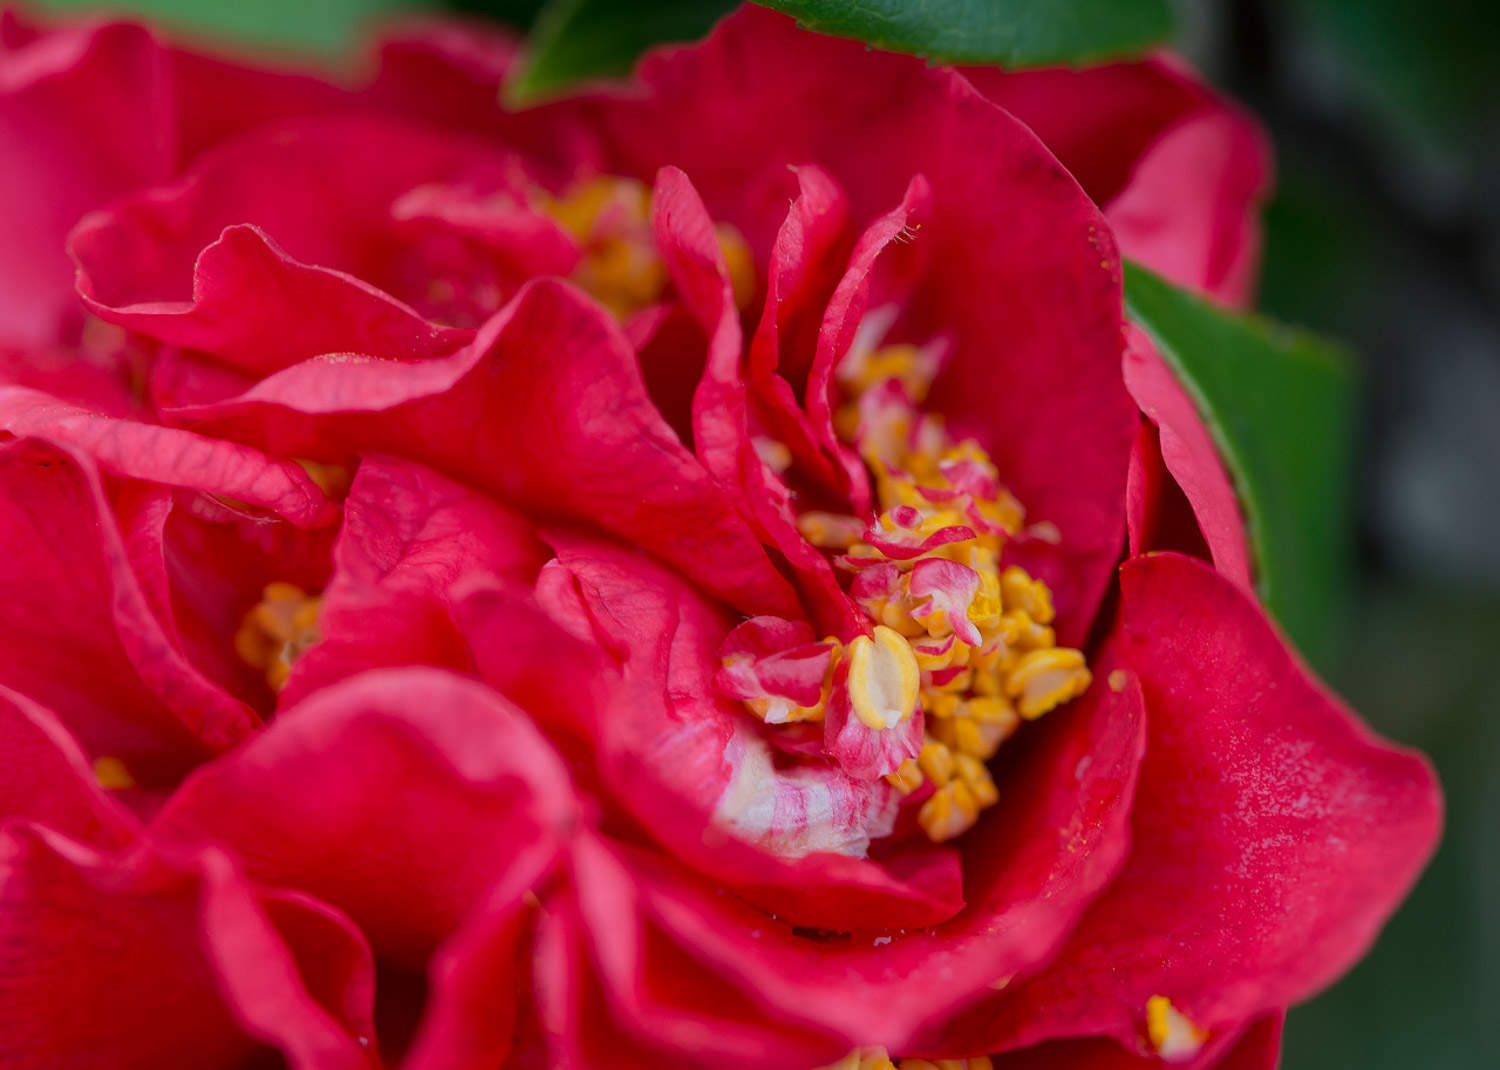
195	974
386	795
1099	120
143	250
846	310
410	537
1190	455
577	434
1191	210
1273	833
721	414
252	305
1031	868
81	634
49	779
1034	371
167	455
85	115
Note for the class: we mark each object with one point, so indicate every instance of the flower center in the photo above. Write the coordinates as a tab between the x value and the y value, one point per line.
968	642
278	630
610	218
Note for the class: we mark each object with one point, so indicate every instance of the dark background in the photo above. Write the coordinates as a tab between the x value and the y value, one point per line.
1384	233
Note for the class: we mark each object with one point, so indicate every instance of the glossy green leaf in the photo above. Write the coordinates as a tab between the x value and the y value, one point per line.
1280	405
329	26
1012	33
575	41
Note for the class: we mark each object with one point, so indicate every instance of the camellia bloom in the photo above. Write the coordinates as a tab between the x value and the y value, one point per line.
639	582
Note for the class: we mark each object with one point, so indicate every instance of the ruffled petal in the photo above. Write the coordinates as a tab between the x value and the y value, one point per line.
1031	869
169	456
197	971
1189	453
576	434
1034	367
1273	833
410	538
1191	210
81	633
399	796
50	780
85	116
252	305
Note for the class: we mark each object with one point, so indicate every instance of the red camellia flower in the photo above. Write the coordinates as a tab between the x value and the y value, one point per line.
639	582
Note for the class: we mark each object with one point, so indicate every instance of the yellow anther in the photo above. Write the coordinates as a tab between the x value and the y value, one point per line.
333	480
773	454
907	778
973	773
936	762
950	812
1027	634
864	1059
912	367
1174	1036
1044	679
110	773
830	531
610	217
740	263
883	678
1022	592
278	630
978	1062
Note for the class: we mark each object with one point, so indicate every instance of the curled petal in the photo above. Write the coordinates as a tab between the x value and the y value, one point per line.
199	973
580	435
947	588
1272	833
50	779
70	597
386	795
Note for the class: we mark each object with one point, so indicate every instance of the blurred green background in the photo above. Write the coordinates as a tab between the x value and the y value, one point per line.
1384	233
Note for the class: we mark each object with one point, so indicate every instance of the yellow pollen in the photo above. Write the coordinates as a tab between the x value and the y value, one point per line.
883	678
1118	680
110	773
332	479
740	263
277	631
1174	1036
1045	679
610	217
829	531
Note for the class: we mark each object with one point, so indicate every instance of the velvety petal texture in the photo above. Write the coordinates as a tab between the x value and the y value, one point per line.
458	605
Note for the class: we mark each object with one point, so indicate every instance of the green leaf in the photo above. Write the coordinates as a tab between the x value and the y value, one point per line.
328	26
1280	406
1012	33
576	40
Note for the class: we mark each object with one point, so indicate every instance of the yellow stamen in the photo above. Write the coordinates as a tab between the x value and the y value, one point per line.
883	678
611	218
277	631
830	531
332	479
110	773
740	263
1045	679
1175	1037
